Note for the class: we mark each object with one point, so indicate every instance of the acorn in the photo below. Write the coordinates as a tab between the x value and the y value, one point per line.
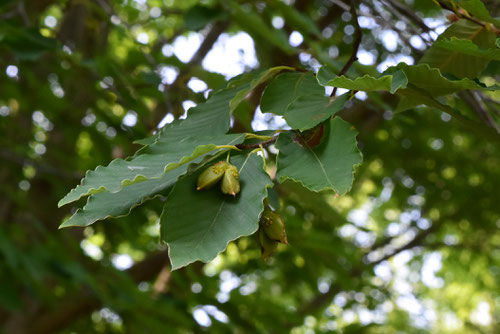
273	226
267	246
230	184
212	175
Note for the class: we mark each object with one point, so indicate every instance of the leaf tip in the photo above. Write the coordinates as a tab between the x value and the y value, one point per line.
64	225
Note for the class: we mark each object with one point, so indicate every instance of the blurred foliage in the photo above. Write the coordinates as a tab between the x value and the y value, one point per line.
413	248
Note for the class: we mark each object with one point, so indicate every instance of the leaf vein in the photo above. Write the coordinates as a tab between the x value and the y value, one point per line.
211	225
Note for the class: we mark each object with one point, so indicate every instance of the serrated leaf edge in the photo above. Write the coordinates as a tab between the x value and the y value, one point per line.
283	178
175	267
91	198
139	177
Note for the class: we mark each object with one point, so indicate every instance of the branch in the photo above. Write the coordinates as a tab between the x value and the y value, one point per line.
409	13
357	41
491	104
466	16
217	29
472	100
417	241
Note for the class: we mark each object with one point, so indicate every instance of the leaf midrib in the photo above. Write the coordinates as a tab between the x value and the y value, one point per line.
212	224
319	162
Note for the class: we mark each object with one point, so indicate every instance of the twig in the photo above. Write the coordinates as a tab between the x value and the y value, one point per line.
417	241
257	145
407	12
468	17
490	103
472	100
24	15
211	37
357	41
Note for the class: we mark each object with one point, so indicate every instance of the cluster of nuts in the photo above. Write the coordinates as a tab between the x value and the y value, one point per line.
271	232
271	225
221	170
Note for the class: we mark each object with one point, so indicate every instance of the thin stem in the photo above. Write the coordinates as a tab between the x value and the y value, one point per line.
257	145
357	41
468	17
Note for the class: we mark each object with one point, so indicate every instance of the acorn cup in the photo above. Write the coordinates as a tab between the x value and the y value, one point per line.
267	246
230	184
274	226
212	175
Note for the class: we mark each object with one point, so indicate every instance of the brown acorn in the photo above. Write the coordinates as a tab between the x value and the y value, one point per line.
212	175
267	246
273	226
230	184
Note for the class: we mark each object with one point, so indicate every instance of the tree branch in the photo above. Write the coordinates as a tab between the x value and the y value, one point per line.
417	241
468	17
217	29
357	41
473	101
407	12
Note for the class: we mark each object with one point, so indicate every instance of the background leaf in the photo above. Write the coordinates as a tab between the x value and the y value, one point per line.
261	78
466	46
455	62
285	88
199	16
307	111
366	83
197	225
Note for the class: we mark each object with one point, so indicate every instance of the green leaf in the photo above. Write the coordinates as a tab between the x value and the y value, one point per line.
168	153
254	25
456	62
197	225
430	81
25	43
199	16
105	204
263	77
177	143
302	22
366	83
433	82
466	46
324	75
307	111
480	129
330	165
213	116
285	88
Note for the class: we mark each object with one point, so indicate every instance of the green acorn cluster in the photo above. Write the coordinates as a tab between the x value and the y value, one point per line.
224	171
271	232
